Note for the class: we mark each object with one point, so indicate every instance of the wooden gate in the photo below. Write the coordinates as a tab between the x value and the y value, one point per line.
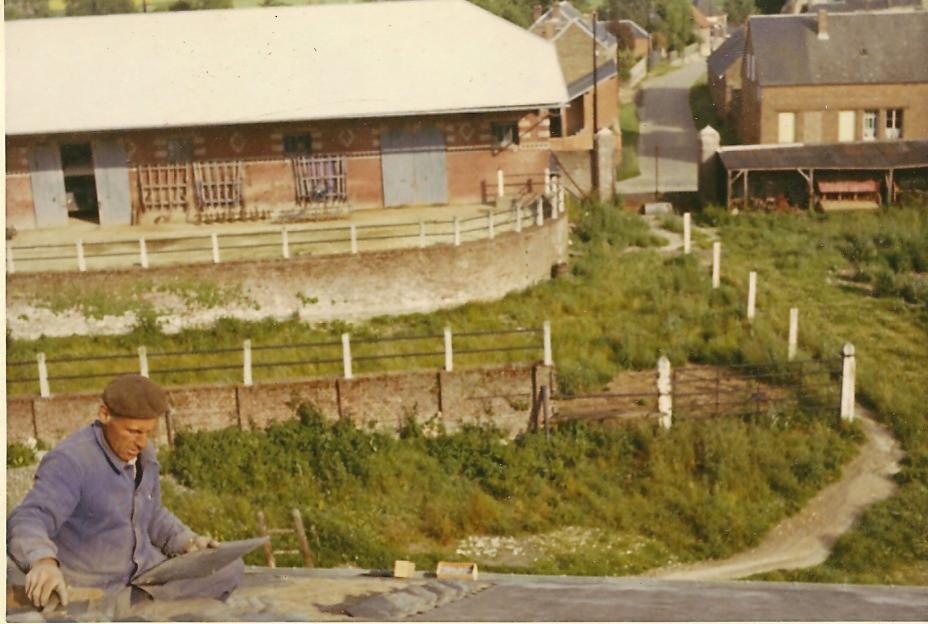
414	167
321	179
111	174
164	187
218	189
48	195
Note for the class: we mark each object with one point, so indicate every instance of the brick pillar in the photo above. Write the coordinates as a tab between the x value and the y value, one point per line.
709	142
604	161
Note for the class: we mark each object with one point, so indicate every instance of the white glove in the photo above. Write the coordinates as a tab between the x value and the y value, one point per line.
43	579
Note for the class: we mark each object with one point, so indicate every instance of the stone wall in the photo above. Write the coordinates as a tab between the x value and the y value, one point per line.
498	395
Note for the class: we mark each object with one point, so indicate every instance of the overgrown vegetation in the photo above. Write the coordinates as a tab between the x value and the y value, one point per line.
705	114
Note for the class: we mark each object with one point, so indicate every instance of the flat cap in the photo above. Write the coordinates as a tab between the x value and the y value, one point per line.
134	396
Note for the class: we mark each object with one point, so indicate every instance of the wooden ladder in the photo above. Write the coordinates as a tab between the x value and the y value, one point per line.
298	529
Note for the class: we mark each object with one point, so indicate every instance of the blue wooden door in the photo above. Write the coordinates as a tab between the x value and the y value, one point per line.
415	170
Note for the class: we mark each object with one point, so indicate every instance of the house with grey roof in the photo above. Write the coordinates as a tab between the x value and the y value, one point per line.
724	74
835	77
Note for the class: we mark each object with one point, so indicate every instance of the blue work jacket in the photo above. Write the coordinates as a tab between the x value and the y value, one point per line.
85	511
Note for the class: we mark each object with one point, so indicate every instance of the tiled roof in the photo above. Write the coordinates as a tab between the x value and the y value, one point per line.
859	155
727	54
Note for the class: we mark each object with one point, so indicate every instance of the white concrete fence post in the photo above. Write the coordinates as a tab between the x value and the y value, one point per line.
81	262
500	184
143	253
539	212
246	363
421	234
10	266
752	294
547	181
665	391
353	230
546	341
214	237
44	391
848	374
716	264
346	357
793	343
490	233
143	362
449	351
518	217
457	231
285	242
687	233
561	208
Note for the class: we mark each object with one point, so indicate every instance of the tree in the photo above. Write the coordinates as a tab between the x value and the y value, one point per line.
20	9
739	10
675	21
639	11
202	5
98	7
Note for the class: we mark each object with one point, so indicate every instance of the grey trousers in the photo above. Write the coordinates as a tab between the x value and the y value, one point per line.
218	585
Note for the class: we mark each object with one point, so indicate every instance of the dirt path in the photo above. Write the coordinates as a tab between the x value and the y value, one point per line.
805	539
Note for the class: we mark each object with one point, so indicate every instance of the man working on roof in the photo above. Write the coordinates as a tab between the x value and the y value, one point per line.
94	516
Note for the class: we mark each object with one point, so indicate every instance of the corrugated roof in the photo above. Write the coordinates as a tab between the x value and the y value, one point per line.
862	48
272	64
859	155
726	54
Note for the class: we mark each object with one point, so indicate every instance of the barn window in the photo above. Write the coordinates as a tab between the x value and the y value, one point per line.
505	133
180	150
298	144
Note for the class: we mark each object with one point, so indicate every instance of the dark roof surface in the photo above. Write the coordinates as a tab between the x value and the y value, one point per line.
862	48
727	53
844	6
581	85
859	155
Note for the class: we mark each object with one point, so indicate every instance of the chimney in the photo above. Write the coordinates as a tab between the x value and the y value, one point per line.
822	25
536	13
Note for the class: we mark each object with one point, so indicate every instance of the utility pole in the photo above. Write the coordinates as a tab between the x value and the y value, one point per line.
595	89
657	171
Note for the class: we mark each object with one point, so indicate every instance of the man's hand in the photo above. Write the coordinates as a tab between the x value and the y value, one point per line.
199	542
43	579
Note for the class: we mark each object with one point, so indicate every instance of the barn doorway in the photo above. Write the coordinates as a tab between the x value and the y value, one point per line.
415	170
80	183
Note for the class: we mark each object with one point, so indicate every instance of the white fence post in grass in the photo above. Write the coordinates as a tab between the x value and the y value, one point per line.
346	356
848	373
421	234
44	392
143	253
214	237
449	351
143	361
500	186
793	334
687	233
285	242
457	231
716	263
752	294
246	363
539	213
518	217
560	197
81	262
490	233
547	181
546	341
10	267
354	238
664	392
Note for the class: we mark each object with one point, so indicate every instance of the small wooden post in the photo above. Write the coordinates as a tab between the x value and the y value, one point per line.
143	362
285	242
449	353
793	334
539	212
300	530
716	264
346	356
10	265
214	237
752	294
500	186
81	262
687	246
665	392
547	181
421	234
44	391
546	408
354	238
143	253
549	358
268	549
246	363
457	231
518	217
490	233
848	374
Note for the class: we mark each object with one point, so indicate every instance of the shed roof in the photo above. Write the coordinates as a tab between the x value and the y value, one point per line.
861	48
726	54
859	155
272	64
